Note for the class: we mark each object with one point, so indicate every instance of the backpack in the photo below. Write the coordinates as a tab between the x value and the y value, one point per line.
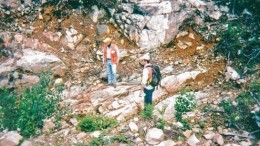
155	77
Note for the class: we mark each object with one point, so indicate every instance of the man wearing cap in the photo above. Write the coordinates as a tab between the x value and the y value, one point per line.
111	58
145	87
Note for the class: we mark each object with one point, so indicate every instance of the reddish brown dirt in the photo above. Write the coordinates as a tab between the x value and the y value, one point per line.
164	57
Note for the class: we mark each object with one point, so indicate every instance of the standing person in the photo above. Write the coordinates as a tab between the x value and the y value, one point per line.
111	58
146	88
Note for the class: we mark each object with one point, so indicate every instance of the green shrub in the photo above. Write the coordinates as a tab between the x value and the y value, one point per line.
119	138
96	122
186	102
147	113
160	124
26	111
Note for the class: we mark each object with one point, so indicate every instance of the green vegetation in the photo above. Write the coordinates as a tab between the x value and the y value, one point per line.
186	102
239	115
104	140
147	113
26	111
160	124
240	38
95	122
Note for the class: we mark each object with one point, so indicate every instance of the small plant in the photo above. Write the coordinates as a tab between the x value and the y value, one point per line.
186	102
105	140
96	122
147	113
99	141
160	124
119	138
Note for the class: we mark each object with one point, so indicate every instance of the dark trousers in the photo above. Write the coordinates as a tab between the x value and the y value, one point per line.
148	98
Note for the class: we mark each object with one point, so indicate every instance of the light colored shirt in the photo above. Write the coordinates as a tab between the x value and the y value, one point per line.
145	78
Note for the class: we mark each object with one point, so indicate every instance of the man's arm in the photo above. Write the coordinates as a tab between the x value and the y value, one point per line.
144	80
118	54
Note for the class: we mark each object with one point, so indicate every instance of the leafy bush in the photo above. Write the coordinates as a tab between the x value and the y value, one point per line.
186	102
26	111
147	113
96	122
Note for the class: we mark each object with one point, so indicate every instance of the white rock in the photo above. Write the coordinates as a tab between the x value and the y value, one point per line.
182	34
218	139
154	136
215	15
95	134
167	143
58	81
27	143
74	121
133	127
231	74
167	70
209	135
193	140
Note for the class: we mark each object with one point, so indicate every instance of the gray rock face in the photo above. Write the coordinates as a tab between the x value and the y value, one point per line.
151	23
36	61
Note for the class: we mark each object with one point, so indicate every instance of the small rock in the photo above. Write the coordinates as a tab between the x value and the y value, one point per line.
187	133
48	125
27	143
95	134
74	121
133	127
182	34
193	140
167	143
81	135
218	139
209	136
154	136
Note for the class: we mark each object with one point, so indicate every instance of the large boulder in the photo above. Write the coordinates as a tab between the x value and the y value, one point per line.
11	138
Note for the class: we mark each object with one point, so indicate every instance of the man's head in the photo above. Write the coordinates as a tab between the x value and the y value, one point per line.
145	59
107	41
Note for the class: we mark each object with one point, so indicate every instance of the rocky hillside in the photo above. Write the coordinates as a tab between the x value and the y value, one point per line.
202	99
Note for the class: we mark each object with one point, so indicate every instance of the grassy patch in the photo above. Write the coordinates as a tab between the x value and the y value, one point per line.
96	122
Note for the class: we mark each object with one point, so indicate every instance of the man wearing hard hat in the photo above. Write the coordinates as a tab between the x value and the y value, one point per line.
111	58
146	88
